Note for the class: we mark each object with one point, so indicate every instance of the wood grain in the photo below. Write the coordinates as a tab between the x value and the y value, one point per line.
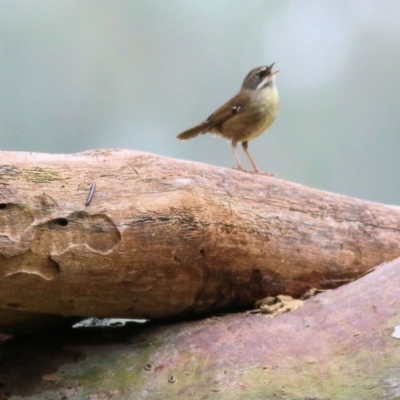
164	238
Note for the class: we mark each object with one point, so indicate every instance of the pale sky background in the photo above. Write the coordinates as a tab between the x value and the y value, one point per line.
85	74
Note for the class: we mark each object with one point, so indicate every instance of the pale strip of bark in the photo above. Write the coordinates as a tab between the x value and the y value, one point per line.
164	237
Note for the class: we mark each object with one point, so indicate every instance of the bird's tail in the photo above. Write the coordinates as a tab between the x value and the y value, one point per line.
192	132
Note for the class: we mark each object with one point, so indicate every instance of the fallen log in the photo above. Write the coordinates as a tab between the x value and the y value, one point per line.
339	345
162	238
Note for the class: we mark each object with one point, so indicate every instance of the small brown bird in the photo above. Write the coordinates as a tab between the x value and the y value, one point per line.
245	116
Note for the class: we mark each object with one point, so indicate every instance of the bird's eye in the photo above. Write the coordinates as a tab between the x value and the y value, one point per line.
257	75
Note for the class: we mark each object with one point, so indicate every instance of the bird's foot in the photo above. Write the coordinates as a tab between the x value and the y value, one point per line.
243	170
263	173
252	171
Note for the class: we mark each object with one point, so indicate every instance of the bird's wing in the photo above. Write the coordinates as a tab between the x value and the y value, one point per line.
233	107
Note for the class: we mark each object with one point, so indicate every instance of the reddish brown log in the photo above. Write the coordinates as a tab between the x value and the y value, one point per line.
339	345
165	237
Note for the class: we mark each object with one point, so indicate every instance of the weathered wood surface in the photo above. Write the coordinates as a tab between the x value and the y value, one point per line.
164	238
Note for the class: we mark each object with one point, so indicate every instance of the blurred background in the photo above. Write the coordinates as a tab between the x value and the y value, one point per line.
85	74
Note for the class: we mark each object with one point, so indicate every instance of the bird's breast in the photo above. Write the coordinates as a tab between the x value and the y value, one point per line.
258	116
265	107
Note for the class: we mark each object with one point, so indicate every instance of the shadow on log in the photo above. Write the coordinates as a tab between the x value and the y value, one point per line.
166	238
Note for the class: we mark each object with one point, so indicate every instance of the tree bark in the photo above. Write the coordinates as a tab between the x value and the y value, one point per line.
164	238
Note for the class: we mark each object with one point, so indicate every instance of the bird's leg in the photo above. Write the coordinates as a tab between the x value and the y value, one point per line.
239	166
245	145
256	170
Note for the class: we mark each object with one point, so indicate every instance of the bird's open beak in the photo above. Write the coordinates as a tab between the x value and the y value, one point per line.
272	73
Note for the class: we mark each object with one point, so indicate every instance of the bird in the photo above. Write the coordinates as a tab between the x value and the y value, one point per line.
246	115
